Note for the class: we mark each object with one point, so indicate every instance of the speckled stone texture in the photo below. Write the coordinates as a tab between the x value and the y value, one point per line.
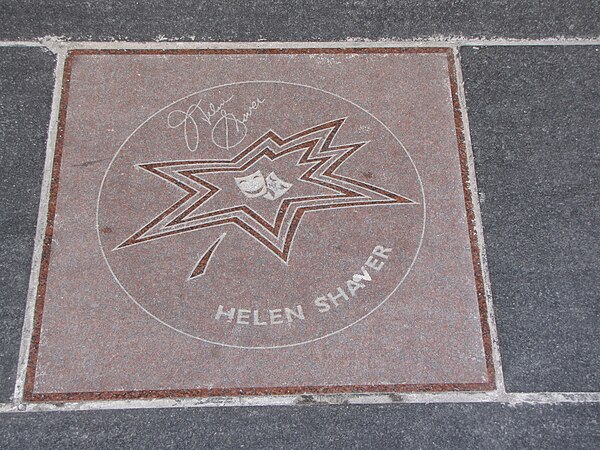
452	425
535	126
139	279
26	78
282	20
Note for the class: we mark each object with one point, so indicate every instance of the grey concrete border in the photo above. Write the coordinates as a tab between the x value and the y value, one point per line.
61	47
40	230
538	398
479	227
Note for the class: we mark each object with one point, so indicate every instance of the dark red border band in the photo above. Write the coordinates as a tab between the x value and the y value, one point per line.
30	395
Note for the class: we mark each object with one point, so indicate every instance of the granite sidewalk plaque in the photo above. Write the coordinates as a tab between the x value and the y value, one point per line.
226	222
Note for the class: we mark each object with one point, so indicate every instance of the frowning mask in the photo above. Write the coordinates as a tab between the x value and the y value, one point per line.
276	186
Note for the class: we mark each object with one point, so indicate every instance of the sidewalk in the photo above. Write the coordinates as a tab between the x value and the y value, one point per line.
213	223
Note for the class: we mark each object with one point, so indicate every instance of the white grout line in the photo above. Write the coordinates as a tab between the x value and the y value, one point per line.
59	42
40	230
21	44
526	42
491	318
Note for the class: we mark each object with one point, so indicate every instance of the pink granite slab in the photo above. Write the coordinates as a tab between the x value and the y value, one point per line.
259	221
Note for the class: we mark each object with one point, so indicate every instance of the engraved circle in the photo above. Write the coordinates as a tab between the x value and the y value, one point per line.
319	197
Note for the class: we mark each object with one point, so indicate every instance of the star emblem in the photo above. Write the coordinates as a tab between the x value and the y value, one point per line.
214	194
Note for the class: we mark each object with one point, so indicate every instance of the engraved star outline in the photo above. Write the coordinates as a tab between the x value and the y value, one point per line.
316	150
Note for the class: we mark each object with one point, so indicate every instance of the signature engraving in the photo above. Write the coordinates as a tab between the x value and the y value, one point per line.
228	130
